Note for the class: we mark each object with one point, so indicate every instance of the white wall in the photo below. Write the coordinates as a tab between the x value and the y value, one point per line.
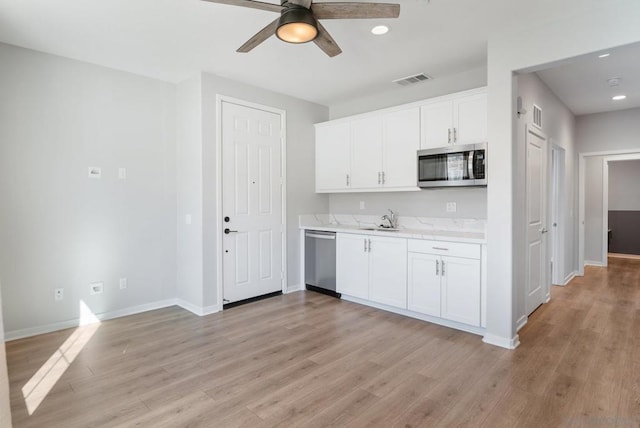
58	227
624	185
554	35
471	203
602	132
189	258
301	196
5	409
396	95
558	124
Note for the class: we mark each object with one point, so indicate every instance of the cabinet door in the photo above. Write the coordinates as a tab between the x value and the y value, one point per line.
401	141
352	265
424	283
366	153
461	290
388	271
470	118
437	124
332	157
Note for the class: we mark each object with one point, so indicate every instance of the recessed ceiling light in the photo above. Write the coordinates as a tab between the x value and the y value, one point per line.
379	30
604	55
619	97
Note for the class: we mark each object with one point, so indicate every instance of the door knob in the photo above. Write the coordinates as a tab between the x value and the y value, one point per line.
228	231
543	230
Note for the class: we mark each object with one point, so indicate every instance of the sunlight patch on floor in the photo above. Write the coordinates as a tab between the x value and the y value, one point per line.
41	383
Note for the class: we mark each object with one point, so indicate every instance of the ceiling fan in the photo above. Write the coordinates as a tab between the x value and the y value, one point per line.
298	21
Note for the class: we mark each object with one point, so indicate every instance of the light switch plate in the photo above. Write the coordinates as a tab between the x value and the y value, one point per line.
361	205
451	207
187	219
123	283
122	173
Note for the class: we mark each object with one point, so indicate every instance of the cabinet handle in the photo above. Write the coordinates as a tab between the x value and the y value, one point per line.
379	178
348	181
369	244
449	138
383	177
455	135
365	245
440	248
443	268
437	267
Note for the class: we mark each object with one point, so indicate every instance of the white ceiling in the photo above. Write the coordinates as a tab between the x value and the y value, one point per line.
582	82
172	39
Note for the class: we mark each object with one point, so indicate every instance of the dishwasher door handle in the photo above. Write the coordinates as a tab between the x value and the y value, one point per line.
318	236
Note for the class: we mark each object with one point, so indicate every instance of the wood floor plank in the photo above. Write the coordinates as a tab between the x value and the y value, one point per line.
306	359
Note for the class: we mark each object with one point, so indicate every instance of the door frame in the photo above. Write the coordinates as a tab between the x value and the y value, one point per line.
220	99
605	200
582	164
557	212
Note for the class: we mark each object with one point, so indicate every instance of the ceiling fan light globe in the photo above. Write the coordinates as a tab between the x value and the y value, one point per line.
297	25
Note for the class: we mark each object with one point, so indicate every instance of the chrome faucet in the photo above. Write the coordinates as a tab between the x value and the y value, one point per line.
392	218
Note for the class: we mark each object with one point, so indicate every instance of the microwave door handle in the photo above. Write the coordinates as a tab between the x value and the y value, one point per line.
470	165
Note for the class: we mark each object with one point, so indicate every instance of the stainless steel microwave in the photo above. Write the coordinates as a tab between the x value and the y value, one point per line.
464	165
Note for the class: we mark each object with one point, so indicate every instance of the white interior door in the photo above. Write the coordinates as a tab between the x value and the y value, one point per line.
536	196
252	202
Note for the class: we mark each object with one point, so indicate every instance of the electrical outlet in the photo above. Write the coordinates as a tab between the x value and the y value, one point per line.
94	172
96	288
123	283
187	219
361	205
58	294
451	207
122	173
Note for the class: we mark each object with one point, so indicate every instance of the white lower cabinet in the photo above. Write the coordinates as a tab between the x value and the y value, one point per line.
444	285
435	278
460	299
372	268
424	284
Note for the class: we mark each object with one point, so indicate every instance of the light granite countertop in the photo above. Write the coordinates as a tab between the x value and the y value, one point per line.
470	231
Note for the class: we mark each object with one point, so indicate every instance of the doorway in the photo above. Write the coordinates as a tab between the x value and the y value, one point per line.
252	242
537	289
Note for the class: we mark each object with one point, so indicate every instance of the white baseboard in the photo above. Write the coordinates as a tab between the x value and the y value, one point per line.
569	278
197	310
522	322
592	263
34	331
502	342
294	288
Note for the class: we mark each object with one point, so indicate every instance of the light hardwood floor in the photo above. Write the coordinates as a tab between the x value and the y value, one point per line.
305	359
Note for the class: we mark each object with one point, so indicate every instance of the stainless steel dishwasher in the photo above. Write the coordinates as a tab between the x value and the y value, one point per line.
320	261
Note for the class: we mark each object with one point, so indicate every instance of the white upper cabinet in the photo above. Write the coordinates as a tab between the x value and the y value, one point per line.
401	141
366	152
437	124
333	157
376	152
459	120
470	119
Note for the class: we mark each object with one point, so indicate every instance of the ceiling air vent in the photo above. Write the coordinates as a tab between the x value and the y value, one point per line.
537	116
410	80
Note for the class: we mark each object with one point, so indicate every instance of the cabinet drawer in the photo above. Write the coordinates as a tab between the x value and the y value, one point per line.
444	248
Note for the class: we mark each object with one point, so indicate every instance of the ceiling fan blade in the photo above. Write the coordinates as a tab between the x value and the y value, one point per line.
304	3
355	10
325	42
259	37
251	4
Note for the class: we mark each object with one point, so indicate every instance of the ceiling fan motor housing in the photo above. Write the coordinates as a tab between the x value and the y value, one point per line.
296	24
